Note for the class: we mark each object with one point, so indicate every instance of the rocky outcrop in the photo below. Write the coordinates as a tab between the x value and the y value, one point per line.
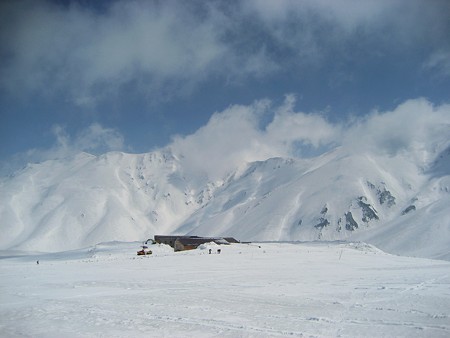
409	209
350	223
369	212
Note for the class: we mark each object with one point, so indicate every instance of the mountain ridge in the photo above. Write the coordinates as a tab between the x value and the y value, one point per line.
83	200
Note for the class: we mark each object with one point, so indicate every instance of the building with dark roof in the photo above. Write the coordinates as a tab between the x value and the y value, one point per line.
181	243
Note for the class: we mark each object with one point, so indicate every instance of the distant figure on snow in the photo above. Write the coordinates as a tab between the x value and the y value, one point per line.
37	262
218	251
210	251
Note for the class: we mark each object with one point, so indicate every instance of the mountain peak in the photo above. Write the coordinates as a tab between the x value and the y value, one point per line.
82	200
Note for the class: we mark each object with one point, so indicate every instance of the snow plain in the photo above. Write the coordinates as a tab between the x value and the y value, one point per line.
302	289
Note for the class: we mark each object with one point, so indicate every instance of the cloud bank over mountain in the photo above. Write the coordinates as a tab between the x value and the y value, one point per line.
242	134
237	135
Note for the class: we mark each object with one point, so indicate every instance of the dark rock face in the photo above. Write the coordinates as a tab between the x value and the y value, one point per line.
350	223
386	197
369	213
409	209
371	186
323	222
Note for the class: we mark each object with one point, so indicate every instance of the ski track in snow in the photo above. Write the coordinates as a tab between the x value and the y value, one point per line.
249	290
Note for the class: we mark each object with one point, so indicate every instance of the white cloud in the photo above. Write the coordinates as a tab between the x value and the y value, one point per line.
320	32
168	47
241	134
228	140
290	127
235	137
439	62
84	53
95	139
416	128
348	15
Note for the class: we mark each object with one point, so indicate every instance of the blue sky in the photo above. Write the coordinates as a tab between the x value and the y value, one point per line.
133	76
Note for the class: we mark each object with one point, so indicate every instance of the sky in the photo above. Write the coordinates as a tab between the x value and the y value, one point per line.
251	79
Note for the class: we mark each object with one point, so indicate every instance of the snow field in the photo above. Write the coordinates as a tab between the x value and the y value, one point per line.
249	290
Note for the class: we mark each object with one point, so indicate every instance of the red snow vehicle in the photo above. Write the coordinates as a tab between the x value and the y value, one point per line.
145	251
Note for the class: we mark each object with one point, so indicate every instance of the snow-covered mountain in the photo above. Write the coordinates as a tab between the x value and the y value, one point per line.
71	203
393	201
388	201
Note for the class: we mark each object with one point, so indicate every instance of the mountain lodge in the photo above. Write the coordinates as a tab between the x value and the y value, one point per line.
181	243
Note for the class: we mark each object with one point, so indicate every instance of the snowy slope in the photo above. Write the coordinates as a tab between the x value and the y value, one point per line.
394	201
81	201
399	202
290	200
336	196
258	290
423	227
